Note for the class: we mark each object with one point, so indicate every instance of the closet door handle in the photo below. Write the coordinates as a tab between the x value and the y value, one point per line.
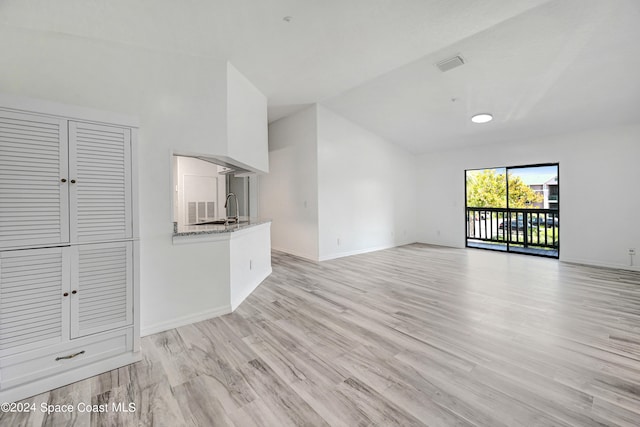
66	294
74	292
73	181
71	356
63	180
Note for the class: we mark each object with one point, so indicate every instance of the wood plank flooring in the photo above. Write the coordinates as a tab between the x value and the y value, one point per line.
410	336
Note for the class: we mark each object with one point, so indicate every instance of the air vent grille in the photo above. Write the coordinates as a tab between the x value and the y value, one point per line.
450	63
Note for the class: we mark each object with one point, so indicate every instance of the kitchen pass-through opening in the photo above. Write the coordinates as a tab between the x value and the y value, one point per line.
201	189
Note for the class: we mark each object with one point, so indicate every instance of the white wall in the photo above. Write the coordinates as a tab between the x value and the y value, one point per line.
191	283
599	203
366	189
332	180
289	193
181	104
247	122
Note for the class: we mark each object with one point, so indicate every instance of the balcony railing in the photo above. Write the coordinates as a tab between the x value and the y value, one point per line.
528	228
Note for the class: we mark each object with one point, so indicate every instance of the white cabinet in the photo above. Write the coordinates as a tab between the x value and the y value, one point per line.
99	182
34	311
101	287
63	181
68	249
34	208
51	295
35	371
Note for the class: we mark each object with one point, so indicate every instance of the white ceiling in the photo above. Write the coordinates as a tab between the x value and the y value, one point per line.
540	66
561	67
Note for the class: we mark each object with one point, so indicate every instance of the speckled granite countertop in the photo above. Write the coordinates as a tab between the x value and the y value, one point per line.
194	230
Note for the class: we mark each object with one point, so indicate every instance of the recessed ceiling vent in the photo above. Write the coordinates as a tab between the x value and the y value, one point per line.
450	63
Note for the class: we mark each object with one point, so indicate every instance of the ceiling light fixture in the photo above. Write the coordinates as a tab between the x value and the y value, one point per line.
482	118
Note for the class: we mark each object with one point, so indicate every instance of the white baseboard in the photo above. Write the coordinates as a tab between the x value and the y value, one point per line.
298	254
441	244
184	320
360	251
252	287
589	262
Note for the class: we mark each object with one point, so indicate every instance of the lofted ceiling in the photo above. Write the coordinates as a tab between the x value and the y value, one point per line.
539	66
560	67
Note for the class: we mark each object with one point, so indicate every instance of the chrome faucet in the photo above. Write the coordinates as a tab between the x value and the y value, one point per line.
237	217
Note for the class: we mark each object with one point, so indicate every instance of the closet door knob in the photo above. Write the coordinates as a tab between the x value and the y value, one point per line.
66	294
73	181
63	180
74	292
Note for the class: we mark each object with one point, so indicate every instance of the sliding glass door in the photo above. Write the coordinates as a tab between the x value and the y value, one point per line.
514	209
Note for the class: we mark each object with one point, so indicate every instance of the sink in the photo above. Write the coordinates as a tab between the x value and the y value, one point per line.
221	222
215	221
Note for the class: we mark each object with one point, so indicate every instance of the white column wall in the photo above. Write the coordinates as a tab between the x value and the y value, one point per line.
366	189
289	193
247	122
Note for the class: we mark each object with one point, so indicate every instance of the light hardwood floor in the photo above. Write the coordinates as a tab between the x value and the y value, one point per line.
416	335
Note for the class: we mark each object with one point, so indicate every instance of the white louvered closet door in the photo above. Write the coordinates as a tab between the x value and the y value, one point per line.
33	165
102	278
35	311
100	182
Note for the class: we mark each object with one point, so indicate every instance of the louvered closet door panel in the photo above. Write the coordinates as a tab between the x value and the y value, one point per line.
102	275
33	199
34	313
100	165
